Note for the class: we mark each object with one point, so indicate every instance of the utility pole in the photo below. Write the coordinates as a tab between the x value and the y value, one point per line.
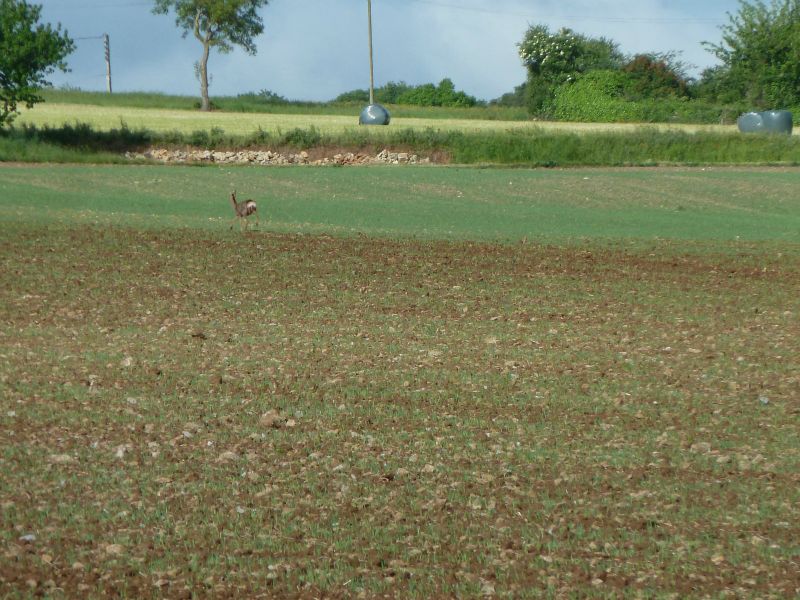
371	69
374	114
107	45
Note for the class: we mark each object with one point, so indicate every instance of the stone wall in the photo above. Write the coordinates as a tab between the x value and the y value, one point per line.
268	157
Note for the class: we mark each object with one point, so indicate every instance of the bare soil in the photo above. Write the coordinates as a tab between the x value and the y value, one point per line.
197	414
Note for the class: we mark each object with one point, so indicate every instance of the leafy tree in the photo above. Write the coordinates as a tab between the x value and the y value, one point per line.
445	94
391	92
219	24
515	98
427	94
29	52
270	97
386	94
711	84
760	55
421	95
553	59
356	96
655	76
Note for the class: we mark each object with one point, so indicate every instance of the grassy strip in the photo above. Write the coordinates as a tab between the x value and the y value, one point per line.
34	148
531	147
505	205
645	146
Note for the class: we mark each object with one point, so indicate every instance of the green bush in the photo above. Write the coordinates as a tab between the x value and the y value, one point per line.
554	59
385	94
601	97
354	97
596	97
684	110
199	138
444	94
401	93
302	138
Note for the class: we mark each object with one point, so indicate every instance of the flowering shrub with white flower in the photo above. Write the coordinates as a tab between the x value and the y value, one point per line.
554	54
560	58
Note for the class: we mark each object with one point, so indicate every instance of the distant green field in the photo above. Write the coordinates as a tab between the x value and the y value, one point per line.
256	103
424	202
238	123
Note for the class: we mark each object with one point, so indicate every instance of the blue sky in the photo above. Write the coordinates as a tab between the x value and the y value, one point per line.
316	49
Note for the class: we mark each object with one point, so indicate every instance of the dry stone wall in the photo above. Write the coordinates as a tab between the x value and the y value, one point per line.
268	157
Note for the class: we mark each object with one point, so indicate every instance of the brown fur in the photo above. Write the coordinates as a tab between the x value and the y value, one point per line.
243	210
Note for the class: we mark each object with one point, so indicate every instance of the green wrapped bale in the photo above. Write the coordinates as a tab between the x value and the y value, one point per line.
374	114
769	121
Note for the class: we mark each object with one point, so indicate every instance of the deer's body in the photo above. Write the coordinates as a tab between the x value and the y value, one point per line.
243	210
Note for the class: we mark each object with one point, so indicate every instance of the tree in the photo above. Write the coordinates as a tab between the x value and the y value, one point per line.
515	98
656	75
445	94
29	52
386	94
553	59
219	24
427	94
760	55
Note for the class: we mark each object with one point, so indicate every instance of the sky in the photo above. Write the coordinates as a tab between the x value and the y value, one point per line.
317	49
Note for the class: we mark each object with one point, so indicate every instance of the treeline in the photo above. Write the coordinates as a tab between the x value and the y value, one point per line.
428	94
575	77
398	93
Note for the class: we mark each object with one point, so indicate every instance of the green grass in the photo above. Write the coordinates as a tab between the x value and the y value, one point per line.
370	395
428	203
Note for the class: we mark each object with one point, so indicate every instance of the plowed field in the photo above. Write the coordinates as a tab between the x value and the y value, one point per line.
198	412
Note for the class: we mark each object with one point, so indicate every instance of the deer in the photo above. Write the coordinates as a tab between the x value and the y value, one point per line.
243	210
